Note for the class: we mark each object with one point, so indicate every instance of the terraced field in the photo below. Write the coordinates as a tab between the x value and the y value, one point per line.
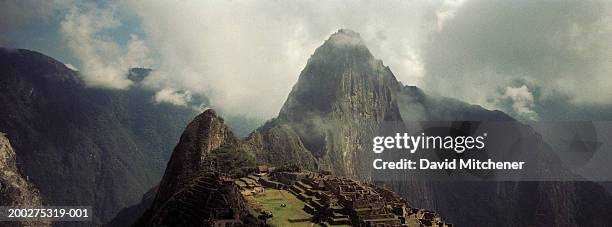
290	214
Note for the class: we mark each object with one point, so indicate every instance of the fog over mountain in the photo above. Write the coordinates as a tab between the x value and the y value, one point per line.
94	96
516	56
342	96
523	55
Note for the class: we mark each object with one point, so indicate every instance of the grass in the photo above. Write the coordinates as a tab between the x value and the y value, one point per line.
272	200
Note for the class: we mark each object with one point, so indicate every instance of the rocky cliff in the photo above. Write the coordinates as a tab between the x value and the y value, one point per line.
15	190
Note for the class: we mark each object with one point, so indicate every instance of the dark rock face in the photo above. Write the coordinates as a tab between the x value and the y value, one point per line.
15	191
80	145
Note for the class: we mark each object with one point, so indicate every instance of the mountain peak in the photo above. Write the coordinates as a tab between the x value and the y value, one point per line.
206	133
346	37
340	70
342	87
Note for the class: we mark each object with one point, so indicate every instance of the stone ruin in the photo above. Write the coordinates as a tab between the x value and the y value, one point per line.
341	201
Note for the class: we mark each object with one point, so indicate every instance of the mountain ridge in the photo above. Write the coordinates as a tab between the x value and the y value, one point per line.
73	139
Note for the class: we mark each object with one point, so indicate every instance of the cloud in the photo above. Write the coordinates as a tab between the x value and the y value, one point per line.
246	56
104	63
521	101
564	47
172	96
447	11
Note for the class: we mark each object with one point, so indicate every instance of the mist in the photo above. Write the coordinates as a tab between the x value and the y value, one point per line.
246	56
104	62
501	53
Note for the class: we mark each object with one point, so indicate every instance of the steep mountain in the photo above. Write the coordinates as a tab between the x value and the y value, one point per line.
15	191
342	95
191	189
192	161
207	132
82	145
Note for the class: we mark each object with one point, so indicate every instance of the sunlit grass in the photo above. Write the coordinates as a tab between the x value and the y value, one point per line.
272	200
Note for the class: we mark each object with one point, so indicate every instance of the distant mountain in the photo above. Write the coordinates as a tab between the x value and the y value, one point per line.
82	145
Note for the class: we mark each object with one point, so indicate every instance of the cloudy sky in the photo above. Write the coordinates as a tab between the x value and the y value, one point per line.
246	55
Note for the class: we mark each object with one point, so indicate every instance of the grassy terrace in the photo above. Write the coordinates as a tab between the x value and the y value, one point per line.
272	199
